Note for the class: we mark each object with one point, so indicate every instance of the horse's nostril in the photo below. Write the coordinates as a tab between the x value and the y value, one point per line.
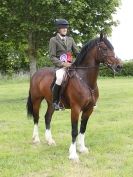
119	67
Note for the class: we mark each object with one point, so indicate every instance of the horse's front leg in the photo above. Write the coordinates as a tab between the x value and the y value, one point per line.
84	119
74	123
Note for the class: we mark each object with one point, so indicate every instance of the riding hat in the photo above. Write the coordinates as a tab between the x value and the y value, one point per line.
61	23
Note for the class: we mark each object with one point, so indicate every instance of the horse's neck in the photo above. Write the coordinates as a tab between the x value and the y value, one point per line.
89	75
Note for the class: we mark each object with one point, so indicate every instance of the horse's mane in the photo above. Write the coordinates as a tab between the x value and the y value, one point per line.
88	46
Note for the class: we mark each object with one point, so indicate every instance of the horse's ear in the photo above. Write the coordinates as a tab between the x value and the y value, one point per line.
101	36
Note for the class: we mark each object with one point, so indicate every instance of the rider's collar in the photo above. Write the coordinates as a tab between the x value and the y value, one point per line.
62	37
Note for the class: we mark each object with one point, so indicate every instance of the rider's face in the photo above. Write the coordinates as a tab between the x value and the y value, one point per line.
63	31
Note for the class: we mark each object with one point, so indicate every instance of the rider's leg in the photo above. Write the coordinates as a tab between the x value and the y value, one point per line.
57	87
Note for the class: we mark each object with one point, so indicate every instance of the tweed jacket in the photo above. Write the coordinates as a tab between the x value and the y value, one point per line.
57	47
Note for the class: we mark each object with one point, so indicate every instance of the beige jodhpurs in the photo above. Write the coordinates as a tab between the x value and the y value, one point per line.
60	74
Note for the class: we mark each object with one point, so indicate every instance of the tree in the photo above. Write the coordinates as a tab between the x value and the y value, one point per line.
31	22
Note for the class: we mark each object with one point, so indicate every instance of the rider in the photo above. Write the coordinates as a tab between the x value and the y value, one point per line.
60	49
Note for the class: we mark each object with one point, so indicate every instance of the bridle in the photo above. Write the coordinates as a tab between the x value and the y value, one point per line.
102	57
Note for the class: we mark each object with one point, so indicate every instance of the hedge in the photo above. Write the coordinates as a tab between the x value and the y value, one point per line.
127	70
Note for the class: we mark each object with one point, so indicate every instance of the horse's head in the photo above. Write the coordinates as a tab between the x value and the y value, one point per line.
106	54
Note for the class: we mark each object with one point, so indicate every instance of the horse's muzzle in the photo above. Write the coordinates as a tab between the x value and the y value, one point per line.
118	68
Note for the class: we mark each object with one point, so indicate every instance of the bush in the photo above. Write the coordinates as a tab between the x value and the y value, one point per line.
12	60
43	60
127	69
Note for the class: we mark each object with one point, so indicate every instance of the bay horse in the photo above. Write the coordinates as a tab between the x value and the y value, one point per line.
80	94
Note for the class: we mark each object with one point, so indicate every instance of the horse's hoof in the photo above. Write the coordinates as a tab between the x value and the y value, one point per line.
51	142
74	157
95	106
83	150
35	140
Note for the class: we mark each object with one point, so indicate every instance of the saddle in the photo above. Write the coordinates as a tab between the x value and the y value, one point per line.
69	74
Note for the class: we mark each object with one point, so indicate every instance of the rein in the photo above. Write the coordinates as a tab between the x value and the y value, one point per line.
83	67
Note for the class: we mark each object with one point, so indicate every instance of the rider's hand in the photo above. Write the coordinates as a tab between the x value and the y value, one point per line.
66	64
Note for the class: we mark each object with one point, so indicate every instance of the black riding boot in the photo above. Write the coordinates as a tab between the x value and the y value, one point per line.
56	94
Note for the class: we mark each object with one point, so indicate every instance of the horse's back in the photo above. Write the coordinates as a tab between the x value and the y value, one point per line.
43	72
40	85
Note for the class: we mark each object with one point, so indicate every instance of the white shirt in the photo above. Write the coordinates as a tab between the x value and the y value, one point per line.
62	37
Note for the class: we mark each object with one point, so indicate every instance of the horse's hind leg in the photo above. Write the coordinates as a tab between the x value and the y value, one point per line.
48	117
84	119
36	106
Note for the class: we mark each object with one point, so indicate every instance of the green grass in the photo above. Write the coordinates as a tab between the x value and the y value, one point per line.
109	135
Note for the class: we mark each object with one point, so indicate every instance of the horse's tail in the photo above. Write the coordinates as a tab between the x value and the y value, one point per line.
29	106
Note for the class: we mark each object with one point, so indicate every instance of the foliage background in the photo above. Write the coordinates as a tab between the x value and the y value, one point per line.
27	26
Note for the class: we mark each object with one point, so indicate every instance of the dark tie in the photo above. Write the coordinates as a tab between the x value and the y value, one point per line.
64	41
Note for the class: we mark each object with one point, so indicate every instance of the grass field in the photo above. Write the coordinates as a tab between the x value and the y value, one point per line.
109	135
